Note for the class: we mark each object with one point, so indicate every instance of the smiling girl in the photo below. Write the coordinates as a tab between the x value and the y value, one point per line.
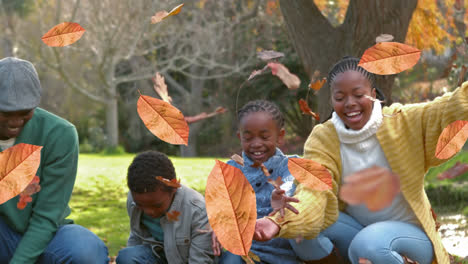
401	139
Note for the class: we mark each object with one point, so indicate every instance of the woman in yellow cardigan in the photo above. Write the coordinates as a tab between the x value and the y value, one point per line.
401	139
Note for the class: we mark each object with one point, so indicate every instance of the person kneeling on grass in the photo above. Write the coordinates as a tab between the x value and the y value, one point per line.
165	221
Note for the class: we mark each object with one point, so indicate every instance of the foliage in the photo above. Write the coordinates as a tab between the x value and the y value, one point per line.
20	7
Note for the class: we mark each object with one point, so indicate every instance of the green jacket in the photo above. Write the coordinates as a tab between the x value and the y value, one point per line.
39	221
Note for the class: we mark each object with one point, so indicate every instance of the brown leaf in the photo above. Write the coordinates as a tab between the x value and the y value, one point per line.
204	115
171	183
267	55
389	58
452	139
376	187
306	109
238	159
63	34
317	84
250	258
18	166
264	169
455	171
310	174
277	183
289	79
161	15
255	73
160	87
231	208
163	120
384	38
25	195
173	216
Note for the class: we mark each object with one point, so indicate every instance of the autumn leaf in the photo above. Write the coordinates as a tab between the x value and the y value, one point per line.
25	196
238	159
160	87
204	115
384	38
18	166
455	171
317	84
376	187
452	139
289	79
173	216
231	208
276	183
305	109
310	174
163	120
161	15
255	73
63	34
174	183
267	55
386	58
260	165
251	258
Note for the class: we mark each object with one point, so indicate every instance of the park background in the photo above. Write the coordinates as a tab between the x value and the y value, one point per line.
206	53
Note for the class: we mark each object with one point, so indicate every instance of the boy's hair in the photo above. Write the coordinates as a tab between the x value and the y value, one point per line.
262	106
144	169
349	63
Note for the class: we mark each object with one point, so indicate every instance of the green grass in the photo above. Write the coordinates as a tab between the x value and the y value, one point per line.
99	198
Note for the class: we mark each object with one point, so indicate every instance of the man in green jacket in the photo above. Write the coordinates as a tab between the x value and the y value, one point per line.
39	233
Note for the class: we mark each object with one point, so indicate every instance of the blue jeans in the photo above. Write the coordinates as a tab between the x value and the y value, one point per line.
320	247
141	254
71	244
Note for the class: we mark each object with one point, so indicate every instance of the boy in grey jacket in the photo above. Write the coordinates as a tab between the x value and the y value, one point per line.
164	219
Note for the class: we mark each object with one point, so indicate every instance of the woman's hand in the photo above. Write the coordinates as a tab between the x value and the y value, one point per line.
265	229
280	201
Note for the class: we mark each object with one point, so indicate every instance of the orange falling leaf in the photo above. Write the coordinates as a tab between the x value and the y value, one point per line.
310	173
171	183
386	58
376	187
306	109
18	166
63	34
160	87
452	139
204	115
173	216
238	159
25	195
455	171
231	208
276	183
161	15
163	120
289	79
317	84
262	167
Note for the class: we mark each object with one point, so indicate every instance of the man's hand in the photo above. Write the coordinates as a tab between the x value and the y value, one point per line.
265	229
215	244
280	201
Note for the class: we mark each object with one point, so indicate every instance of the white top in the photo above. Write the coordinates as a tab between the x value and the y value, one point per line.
4	144
360	149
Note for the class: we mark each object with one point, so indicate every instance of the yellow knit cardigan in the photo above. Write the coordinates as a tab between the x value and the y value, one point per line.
408	136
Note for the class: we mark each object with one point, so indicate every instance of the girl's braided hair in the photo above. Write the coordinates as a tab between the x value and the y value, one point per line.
262	106
349	63
145	167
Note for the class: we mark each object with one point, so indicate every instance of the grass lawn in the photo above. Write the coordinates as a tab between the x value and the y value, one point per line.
99	198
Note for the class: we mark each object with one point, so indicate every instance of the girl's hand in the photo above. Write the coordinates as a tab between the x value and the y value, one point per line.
280	201
215	244
265	229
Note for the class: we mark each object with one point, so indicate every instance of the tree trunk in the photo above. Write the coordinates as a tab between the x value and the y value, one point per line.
320	45
112	122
